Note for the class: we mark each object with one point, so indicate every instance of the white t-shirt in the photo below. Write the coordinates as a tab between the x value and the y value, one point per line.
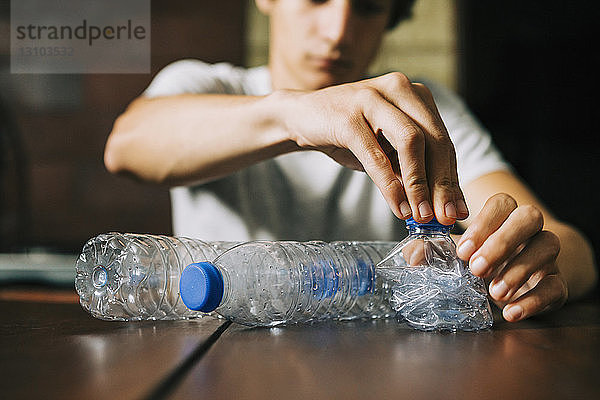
301	195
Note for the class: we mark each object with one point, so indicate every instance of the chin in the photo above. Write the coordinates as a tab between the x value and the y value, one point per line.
323	79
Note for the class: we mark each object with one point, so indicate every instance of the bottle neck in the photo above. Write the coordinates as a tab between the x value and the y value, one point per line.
428	230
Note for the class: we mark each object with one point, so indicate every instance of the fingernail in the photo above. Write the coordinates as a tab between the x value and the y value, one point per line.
465	249
450	210
425	209
405	209
498	290
513	313
478	266
461	206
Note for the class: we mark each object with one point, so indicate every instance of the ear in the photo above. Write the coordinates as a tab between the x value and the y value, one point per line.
265	6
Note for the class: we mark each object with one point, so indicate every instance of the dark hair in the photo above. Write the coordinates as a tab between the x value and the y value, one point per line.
401	10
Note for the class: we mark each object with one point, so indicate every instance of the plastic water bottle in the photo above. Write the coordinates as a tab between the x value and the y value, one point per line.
432	289
269	283
127	277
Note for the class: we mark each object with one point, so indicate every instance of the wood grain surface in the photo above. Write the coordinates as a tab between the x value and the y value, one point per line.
58	351
53	350
550	357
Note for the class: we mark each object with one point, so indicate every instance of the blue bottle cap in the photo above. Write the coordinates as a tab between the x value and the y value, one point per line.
201	287
431	224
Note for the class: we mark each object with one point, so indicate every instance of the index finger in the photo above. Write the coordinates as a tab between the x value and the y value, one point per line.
493	214
409	143
376	164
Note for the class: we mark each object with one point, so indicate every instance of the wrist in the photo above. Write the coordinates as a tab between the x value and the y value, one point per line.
283	108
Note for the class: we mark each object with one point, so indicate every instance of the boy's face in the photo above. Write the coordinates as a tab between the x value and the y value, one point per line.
318	43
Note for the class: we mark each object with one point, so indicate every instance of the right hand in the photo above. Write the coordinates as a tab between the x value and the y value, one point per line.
391	129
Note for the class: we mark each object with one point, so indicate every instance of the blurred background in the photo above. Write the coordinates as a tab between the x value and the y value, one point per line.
527	70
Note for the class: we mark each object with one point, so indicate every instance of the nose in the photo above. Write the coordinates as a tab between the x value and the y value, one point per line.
335	21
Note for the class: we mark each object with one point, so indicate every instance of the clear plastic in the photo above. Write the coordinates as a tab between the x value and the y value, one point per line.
431	288
128	277
272	283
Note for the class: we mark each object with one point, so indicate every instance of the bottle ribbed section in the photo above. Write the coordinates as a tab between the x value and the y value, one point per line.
128	277
271	283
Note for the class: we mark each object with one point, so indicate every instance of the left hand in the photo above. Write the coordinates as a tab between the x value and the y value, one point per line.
506	245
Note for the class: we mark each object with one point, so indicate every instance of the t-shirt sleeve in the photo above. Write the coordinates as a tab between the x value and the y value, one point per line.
194	76
476	155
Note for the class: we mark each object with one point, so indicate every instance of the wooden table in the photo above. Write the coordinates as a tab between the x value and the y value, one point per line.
50	348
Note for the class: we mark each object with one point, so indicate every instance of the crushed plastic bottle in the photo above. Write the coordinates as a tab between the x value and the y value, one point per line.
432	289
128	277
270	283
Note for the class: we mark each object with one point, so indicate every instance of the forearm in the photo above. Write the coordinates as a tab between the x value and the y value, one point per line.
575	260
193	138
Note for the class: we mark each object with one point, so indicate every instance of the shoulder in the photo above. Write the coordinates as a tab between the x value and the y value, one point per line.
195	76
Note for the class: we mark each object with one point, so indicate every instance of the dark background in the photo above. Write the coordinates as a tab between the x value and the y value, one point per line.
527	69
56	193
